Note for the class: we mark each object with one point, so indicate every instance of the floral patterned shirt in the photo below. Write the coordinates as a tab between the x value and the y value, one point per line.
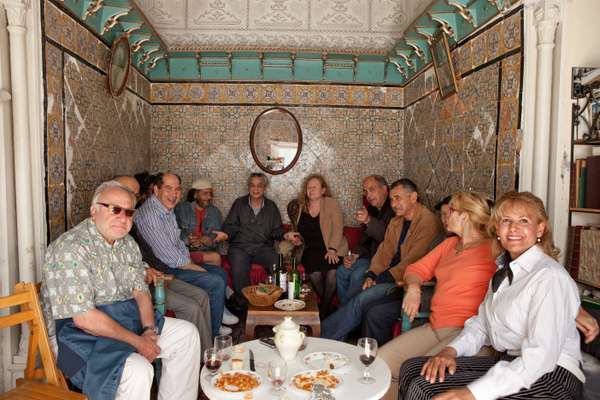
83	270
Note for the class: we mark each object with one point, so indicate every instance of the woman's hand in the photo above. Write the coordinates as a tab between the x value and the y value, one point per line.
332	257
436	366
455	394
412	301
587	325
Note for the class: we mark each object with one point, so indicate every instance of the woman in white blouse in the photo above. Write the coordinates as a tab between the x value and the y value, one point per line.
527	316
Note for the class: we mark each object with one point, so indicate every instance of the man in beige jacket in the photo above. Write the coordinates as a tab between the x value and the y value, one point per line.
408	237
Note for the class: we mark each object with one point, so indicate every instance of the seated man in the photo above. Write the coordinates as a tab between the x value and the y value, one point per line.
187	301
374	221
252	227
157	224
198	220
93	288
408	237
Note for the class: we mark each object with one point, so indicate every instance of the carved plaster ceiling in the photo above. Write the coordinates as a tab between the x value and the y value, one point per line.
343	26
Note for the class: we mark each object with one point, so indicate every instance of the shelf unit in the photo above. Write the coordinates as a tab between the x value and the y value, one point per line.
585	142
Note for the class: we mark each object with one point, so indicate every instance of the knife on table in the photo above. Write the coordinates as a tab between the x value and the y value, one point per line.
252	367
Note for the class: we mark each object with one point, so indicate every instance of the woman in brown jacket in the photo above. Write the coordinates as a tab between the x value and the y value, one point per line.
319	223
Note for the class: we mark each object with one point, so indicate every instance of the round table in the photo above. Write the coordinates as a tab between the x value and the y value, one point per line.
350	388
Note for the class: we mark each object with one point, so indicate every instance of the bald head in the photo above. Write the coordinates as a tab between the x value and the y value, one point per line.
130	182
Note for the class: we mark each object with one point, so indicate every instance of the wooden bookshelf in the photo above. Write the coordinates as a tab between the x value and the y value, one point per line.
585	210
586	142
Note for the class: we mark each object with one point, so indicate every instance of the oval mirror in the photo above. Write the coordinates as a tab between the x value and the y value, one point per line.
276	140
118	65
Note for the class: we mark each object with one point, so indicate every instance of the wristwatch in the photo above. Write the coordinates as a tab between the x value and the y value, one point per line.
152	328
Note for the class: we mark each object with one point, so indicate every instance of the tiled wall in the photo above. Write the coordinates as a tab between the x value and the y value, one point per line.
342	143
91	136
468	141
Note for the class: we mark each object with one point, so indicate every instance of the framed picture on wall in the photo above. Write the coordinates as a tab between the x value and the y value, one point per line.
444	70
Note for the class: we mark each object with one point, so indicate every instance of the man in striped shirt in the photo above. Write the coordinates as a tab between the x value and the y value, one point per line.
157	224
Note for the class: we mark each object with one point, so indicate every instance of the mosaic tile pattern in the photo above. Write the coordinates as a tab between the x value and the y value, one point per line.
344	144
55	149
105	136
450	144
257	93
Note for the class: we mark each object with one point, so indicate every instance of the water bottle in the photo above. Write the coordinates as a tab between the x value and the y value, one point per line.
159	296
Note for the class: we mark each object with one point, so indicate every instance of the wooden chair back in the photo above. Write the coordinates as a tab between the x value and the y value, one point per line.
26	298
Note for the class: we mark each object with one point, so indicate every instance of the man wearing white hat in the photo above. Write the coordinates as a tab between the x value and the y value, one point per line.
198	220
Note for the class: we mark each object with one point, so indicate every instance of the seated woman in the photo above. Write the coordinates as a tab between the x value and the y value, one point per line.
463	265
528	316
319	225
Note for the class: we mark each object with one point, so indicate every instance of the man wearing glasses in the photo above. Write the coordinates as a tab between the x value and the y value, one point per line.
93	289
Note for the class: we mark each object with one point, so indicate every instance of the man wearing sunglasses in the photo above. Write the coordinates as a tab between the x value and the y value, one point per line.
93	289
157	224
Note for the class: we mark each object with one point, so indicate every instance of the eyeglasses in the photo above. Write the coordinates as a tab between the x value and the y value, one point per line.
116	210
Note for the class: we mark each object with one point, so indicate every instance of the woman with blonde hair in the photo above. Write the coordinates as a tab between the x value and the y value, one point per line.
528	316
319	226
463	265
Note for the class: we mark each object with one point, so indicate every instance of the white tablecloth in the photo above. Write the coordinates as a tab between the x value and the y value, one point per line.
349	389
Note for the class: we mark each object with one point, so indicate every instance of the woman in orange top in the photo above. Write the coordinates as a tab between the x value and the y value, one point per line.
463	265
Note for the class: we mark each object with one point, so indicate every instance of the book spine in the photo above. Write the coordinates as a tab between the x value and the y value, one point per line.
582	183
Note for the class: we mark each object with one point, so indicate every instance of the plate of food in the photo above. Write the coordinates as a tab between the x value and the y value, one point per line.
326	360
232	382
306	379
290	305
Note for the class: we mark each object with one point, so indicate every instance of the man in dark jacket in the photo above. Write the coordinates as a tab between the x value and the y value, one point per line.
374	220
252	227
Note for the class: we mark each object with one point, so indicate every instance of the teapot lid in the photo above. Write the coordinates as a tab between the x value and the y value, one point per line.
287	325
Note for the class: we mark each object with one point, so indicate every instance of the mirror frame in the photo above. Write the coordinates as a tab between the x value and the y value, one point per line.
253	136
118	90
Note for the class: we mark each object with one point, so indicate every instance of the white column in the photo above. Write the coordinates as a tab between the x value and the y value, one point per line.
547	16
16	13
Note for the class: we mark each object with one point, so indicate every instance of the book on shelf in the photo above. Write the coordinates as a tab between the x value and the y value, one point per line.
581	194
584	254
592	182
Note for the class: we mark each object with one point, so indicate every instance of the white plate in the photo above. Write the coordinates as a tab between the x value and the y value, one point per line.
290	305
234	394
326	360
313	374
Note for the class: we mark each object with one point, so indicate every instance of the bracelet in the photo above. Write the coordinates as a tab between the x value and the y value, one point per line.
331	248
150	328
371	274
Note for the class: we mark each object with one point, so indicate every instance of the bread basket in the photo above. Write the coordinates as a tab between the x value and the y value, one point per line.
262	295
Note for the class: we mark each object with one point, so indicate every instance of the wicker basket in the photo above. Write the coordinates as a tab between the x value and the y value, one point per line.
262	295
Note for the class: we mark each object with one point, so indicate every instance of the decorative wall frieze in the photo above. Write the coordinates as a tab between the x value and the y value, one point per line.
16	12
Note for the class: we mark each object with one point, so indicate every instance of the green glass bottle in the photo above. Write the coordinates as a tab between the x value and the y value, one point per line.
296	278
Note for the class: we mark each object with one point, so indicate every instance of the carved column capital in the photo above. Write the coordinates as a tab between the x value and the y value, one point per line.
16	12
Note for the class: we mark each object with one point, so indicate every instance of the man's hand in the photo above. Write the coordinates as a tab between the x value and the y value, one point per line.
436	366
411	301
456	394
368	283
152	275
193	267
220	236
350	259
362	216
206	240
332	257
147	345
587	325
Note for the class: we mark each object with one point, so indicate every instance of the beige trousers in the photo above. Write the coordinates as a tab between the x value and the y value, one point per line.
421	341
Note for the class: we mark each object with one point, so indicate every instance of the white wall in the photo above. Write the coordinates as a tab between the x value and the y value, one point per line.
577	45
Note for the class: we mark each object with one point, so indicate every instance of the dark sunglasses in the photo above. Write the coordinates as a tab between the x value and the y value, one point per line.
116	210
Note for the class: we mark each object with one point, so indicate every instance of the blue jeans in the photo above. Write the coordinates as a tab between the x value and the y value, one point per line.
350	280
213	282
339	324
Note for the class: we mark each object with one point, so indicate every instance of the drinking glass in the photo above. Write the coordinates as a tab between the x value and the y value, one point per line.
368	351
212	362
223	345
277	373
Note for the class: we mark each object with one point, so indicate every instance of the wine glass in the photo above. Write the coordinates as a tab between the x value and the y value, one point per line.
212	362
277	373
223	345
368	351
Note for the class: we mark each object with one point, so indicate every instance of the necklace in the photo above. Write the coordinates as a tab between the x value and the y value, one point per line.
460	247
